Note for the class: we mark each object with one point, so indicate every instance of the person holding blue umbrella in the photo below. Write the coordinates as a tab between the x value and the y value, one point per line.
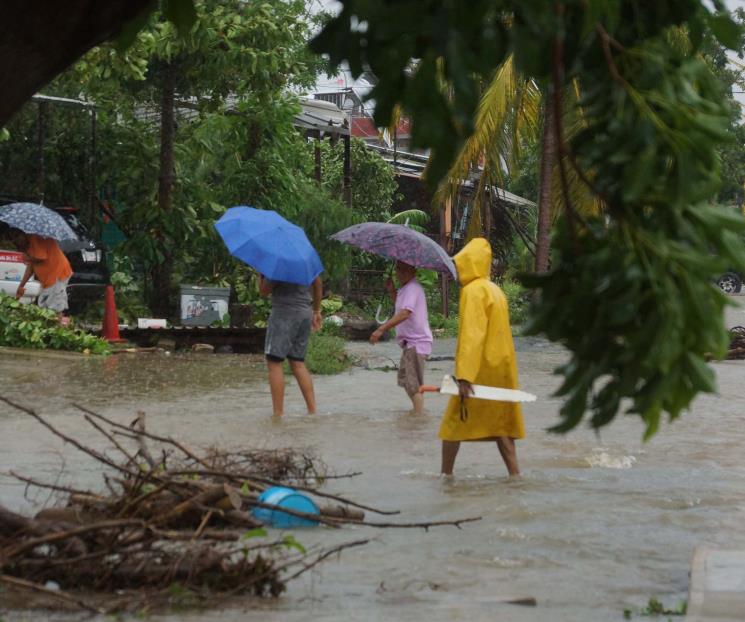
289	269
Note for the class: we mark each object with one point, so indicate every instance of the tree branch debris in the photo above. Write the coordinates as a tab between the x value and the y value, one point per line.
173	525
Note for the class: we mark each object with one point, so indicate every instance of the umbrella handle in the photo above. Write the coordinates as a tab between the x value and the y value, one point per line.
382	298
377	314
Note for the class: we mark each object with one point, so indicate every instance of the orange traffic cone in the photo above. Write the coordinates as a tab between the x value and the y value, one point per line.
110	327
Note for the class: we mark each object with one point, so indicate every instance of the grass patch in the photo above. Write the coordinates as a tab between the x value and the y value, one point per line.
448	325
655	608
327	354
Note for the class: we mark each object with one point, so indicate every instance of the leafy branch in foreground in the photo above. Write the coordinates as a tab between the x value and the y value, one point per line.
629	293
29	326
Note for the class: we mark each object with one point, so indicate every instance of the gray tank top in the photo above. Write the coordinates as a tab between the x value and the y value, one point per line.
290	298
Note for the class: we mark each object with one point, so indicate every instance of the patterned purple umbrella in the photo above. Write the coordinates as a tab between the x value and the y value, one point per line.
398	242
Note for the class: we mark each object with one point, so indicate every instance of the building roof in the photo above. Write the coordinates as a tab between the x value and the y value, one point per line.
413	165
316	114
62	101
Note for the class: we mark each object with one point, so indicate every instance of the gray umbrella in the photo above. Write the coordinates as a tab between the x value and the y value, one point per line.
37	220
398	242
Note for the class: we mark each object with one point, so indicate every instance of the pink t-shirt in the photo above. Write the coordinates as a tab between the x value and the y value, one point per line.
414	332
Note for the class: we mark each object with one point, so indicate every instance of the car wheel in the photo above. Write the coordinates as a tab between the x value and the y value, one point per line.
730	283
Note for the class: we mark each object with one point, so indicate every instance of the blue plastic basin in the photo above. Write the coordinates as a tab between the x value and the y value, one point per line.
285	498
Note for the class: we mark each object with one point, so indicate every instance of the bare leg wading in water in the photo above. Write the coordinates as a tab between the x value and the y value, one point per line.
295	313
507	450
277	385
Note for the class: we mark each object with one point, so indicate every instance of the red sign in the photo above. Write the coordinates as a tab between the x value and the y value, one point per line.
11	256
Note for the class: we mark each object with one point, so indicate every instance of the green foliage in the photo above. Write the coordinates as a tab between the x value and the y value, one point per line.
656	608
291	543
331	305
428	279
130	302
373	181
29	326
524	181
414	218
364	309
261	306
128	291
629	294
181	12
67	138
639	313
517	300
319	215
732	153
237	69
326	353
449	325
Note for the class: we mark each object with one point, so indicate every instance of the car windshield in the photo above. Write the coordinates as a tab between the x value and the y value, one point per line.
84	239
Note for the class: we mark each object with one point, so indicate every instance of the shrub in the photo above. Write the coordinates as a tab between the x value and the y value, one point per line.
326	353
517	298
449	325
29	326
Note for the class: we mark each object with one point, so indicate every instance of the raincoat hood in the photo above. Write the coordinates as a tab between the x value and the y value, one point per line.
473	261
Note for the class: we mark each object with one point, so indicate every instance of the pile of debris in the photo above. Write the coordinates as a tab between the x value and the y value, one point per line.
736	350
171	522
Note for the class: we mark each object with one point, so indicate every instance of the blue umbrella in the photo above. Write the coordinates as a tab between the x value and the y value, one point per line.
270	244
37	220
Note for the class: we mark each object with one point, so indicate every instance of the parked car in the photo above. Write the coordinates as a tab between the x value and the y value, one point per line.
11	273
730	282
87	258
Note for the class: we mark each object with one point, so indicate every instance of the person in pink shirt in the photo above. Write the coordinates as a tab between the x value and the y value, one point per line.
412	331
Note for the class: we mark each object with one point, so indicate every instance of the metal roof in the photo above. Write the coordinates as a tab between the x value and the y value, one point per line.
413	165
62	101
323	116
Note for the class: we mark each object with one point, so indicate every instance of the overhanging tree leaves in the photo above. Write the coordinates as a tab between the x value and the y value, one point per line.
630	294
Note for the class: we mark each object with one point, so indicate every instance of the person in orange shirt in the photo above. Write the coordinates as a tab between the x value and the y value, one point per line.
46	261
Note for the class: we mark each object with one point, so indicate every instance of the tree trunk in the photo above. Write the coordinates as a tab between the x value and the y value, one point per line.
160	299
548	162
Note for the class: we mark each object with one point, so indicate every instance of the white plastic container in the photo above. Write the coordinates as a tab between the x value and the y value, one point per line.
149	322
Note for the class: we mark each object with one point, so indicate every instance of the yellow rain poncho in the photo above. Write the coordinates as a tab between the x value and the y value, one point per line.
485	353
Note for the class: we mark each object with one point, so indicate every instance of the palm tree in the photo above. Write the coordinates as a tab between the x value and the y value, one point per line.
510	113
414	218
507	119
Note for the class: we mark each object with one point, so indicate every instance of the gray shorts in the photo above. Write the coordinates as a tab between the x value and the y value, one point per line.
54	297
411	371
286	337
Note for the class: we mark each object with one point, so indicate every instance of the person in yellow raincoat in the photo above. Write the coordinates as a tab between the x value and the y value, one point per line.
485	355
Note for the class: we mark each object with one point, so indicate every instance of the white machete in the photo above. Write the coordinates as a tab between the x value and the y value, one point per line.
480	391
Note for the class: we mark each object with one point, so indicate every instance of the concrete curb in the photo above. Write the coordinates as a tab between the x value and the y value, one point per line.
48	354
717	591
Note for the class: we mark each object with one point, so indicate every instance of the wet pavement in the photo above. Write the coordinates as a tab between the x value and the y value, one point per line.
599	522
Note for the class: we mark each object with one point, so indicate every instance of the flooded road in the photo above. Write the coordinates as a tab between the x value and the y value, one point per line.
599	523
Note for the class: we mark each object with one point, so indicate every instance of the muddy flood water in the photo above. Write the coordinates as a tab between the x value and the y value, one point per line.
597	524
